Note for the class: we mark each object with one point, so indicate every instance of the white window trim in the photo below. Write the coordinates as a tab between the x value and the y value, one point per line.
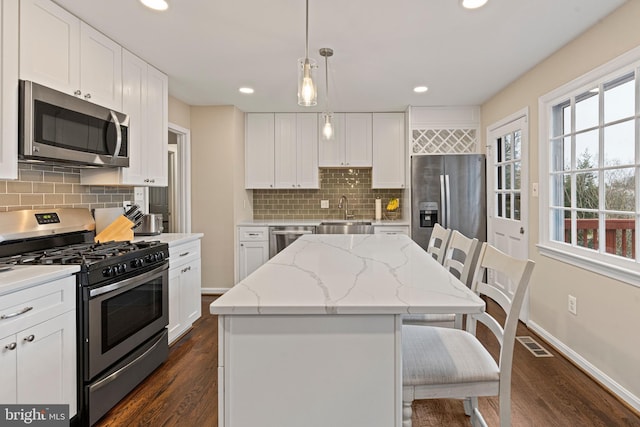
615	267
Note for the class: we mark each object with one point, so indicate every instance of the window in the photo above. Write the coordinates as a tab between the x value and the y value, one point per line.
590	163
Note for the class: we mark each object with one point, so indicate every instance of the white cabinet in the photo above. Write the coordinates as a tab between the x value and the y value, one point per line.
259	150
145	100
388	150
38	345
282	151
253	249
391	229
62	52
9	89
352	143
184	288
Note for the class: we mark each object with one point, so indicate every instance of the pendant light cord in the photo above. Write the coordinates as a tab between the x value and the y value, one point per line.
307	33
326	68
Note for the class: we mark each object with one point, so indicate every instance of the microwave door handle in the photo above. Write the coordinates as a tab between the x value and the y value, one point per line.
114	117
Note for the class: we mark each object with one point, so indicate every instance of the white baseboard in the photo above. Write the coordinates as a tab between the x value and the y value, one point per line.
607	382
213	291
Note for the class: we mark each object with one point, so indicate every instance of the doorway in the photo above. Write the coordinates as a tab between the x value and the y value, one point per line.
507	195
174	201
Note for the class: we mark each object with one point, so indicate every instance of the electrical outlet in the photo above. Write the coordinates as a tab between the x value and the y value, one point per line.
573	305
126	204
324	204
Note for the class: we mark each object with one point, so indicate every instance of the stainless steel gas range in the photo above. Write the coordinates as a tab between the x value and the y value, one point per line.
122	299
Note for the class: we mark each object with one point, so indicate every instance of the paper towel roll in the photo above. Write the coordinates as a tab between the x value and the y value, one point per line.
378	209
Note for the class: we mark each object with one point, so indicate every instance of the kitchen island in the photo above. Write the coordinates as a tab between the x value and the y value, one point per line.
313	337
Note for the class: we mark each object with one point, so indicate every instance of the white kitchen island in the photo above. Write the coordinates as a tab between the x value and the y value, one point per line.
313	337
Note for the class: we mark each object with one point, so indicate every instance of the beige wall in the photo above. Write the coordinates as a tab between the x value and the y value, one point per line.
179	113
218	197
605	331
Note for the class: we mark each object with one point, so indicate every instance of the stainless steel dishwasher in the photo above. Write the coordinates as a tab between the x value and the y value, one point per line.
282	236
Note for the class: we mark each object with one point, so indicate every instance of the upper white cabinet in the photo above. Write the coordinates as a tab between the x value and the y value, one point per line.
352	143
145	100
59	51
282	150
388	150
9	89
259	150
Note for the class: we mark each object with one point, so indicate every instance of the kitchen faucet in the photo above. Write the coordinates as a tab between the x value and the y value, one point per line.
344	200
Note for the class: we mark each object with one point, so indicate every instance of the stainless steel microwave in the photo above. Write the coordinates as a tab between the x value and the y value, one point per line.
58	127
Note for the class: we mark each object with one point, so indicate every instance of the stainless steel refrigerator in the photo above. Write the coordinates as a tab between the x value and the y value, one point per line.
448	189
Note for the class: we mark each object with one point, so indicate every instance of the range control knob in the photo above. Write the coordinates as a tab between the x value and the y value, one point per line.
160	256
107	272
137	263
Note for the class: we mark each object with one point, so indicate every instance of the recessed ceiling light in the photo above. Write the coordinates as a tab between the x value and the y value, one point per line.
155	4
246	90
473	4
420	89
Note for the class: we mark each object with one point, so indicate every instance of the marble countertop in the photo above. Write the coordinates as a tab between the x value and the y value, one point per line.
22	276
349	274
268	222
173	239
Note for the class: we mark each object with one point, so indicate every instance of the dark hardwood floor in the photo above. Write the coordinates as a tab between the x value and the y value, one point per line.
545	391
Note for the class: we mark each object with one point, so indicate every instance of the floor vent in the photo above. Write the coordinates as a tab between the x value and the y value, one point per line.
533	346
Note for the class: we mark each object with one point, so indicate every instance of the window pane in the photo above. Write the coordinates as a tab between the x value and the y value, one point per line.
566	119
619	99
516	206
499	149
587	230
587	150
587	190
508	143
620	230
517	144
561	154
586	110
499	205
560	225
499	185
517	166
619	144
620	189
560	187
507	176
507	208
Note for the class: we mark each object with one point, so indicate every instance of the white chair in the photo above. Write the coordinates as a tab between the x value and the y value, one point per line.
437	245
448	363
459	259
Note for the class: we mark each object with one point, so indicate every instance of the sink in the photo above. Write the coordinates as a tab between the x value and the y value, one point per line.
345	227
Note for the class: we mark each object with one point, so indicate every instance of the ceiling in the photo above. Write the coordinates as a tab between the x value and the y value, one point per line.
382	49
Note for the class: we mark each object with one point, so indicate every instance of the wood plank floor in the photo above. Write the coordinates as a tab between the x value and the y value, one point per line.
545	391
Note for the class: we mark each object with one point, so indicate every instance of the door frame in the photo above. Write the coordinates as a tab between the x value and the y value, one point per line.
183	178
525	163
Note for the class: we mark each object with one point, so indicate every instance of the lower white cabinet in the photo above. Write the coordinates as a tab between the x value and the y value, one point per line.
184	288
38	345
253	249
391	229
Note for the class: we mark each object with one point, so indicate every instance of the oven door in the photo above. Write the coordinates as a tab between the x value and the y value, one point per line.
123	315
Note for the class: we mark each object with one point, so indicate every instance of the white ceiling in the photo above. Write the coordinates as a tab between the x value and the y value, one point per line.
382	49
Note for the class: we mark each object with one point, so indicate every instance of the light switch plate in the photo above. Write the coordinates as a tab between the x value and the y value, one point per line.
324	204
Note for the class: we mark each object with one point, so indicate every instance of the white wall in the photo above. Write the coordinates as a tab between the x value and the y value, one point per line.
603	337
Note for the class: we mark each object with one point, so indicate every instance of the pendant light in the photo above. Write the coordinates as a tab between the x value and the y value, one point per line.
307	93
327	128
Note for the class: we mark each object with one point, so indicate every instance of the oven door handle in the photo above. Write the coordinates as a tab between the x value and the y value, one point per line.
132	281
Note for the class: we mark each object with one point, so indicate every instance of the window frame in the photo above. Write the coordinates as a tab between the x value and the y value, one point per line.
613	266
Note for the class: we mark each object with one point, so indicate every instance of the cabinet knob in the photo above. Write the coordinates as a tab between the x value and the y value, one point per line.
11	346
87	96
30	338
77	92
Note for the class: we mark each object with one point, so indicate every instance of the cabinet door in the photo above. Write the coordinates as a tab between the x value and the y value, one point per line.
9	89
100	68
190	289
49	45
285	151
175	326
8	371
157	138
259	151
331	153
46	365
388	150
252	255
307	150
358	146
134	95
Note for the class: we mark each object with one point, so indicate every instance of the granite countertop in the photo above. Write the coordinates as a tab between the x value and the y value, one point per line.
268	222
349	274
21	276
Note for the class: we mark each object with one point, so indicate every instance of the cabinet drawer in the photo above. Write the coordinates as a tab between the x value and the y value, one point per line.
256	234
397	229
27	307
184	253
